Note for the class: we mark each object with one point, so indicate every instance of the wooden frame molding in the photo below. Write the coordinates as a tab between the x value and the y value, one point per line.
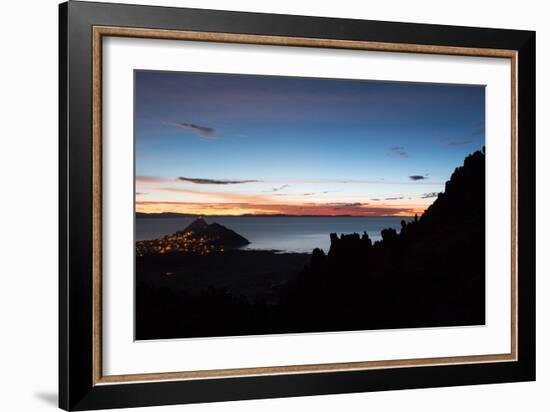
101	31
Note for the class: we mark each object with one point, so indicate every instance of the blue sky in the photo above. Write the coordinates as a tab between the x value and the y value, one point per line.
234	144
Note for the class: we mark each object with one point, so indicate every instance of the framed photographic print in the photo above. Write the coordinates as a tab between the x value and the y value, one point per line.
257	205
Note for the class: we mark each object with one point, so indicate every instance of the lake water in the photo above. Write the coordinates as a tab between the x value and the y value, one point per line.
287	234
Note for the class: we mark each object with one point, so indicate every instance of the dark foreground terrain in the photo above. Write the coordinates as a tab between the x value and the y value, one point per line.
430	273
210	295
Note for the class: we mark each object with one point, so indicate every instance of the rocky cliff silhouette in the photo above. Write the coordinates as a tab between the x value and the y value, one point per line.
431	273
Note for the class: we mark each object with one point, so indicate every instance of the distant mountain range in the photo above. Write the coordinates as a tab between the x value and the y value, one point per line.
164	215
172	215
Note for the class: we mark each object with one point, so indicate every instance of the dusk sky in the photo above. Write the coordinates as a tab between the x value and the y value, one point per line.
216	144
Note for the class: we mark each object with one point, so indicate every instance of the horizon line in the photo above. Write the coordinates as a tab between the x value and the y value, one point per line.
268	214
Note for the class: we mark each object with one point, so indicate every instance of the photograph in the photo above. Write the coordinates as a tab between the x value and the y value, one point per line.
273	205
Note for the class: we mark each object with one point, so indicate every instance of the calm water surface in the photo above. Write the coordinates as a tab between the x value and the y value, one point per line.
287	234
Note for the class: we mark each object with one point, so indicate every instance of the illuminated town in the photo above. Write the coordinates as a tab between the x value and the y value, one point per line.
199	238
179	242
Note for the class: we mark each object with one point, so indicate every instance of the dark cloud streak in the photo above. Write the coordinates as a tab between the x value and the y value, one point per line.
201	181
429	195
277	189
208	131
460	142
203	131
397	151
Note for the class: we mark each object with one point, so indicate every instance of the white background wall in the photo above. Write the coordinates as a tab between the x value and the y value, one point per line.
28	204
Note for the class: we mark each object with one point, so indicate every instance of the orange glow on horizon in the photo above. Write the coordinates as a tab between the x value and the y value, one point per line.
229	209
261	198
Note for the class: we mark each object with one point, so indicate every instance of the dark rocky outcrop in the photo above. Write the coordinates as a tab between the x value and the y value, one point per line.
430	273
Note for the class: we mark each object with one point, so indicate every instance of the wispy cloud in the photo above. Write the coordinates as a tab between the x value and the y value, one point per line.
394	198
304	194
202	181
351	181
277	189
477	133
216	196
237	208
152	179
345	206
429	195
203	131
460	142
397	151
206	181
479	129
417	177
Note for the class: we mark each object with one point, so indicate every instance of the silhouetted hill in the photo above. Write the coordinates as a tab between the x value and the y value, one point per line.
198	237
214	233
